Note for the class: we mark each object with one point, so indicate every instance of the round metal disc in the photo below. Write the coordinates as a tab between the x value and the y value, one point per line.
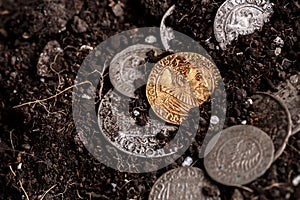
240	154
183	183
240	17
128	66
122	131
179	82
289	93
271	115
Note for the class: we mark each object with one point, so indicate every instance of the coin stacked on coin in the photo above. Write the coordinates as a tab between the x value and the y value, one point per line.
179	82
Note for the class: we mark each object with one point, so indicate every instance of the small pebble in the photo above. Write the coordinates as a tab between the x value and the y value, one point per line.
136	113
244	122
296	181
278	41
19	166
42	80
118	10
277	51
114	185
187	161
250	101
214	119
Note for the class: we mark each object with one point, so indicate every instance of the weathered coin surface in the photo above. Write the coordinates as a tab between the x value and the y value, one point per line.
123	132
240	155
240	17
128	66
167	33
289	92
179	82
271	115
187	183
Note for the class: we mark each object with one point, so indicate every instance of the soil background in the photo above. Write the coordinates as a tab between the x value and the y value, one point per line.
41	155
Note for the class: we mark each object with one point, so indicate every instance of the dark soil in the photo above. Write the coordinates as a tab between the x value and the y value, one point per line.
40	151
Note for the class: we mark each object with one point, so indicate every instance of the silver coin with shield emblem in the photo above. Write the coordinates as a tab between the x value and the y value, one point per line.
239	155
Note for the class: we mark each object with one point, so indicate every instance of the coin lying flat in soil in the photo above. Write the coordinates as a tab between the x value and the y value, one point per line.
240	17
239	155
271	115
179	82
123	132
289	92
184	183
128	66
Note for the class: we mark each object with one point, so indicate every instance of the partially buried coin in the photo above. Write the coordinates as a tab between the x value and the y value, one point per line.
289	92
122	131
239	155
128	66
179	82
240	17
271	115
188	183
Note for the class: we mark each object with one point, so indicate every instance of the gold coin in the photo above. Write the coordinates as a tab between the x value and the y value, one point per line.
177	83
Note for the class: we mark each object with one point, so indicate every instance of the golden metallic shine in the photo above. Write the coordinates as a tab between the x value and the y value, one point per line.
179	82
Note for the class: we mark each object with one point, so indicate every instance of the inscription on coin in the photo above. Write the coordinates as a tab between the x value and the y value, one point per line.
179	82
121	129
187	183
240	17
128	66
240	155
288	91
271	115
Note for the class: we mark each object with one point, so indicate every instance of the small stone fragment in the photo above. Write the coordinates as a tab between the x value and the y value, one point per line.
278	41
118	10
296	181
187	162
277	51
237	195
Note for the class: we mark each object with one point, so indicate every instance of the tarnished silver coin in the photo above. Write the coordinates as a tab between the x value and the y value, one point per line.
240	17
128	66
271	115
166	33
240	155
122	131
188	183
289	92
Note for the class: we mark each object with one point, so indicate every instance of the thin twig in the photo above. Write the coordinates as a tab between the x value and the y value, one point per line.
21	185
11	142
48	98
12	171
47	192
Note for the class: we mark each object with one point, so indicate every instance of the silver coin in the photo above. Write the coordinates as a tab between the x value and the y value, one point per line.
240	17
121	130
128	66
272	116
187	183
240	154
166	33
288	91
